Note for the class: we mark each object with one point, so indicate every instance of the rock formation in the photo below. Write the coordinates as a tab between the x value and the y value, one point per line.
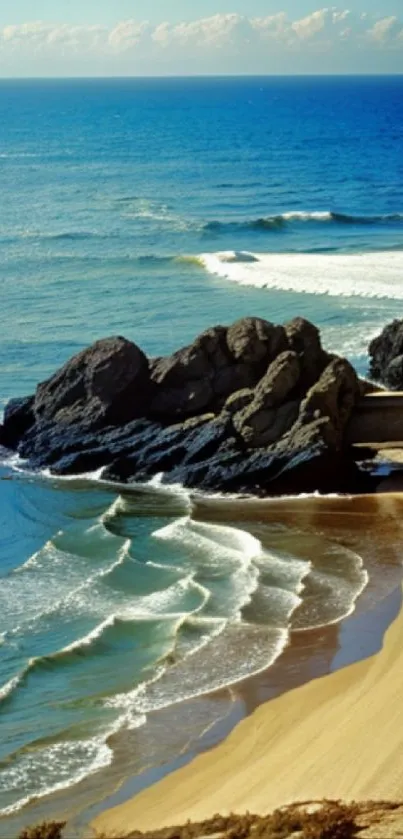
251	407
386	356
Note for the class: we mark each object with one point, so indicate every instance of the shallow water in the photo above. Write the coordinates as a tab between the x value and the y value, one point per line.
116	616
123	613
113	605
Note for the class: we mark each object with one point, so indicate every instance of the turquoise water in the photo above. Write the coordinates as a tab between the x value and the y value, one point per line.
153	209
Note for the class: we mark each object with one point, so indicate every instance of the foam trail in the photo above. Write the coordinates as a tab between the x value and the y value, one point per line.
347	275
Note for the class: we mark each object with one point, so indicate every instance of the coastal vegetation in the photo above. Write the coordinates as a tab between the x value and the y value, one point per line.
308	820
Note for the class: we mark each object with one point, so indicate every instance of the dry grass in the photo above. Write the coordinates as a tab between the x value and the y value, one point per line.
308	820
46	830
332	820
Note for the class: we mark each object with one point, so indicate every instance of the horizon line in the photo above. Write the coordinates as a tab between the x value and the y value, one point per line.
145	76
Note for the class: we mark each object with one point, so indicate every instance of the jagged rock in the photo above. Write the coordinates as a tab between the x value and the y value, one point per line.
280	381
219	362
253	408
18	418
259	426
184	443
386	356
238	400
255	341
304	339
332	398
185	379
106	384
394	373
271	412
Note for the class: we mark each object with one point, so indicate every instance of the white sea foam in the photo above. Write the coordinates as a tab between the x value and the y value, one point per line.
186	531
95	475
28	604
92	636
215	656
8	688
216	549
213	666
14	461
69	761
333	589
349	275
303	215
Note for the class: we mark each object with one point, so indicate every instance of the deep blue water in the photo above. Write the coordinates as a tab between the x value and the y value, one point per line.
153	209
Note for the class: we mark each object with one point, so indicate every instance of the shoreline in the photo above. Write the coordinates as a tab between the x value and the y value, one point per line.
311	655
371	523
308	744
283	676
238	768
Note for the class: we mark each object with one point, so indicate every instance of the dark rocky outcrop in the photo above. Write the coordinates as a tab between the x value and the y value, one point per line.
386	356
18	419
251	407
106	384
220	361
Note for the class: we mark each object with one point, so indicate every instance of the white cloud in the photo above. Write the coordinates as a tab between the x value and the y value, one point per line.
215	31
212	41
384	30
311	25
337	17
127	34
274	26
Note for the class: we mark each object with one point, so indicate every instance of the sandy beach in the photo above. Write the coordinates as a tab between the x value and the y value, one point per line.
338	736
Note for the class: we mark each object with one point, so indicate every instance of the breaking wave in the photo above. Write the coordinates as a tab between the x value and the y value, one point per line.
375	274
292	217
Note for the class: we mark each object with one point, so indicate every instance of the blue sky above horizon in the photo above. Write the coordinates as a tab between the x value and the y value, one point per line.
153	37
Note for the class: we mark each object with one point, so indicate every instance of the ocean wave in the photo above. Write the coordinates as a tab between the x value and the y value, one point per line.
9	687
282	220
212	666
66	235
55	591
162	216
70	761
216	550
148	498
333	588
208	653
18	155
376	274
86	645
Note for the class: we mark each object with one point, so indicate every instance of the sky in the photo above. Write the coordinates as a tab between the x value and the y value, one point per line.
186	37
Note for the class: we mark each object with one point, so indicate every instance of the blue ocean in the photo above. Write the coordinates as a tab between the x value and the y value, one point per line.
154	208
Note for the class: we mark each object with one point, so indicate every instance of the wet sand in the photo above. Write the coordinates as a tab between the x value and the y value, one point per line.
335	736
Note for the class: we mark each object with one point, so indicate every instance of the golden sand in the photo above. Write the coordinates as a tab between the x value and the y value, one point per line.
340	736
